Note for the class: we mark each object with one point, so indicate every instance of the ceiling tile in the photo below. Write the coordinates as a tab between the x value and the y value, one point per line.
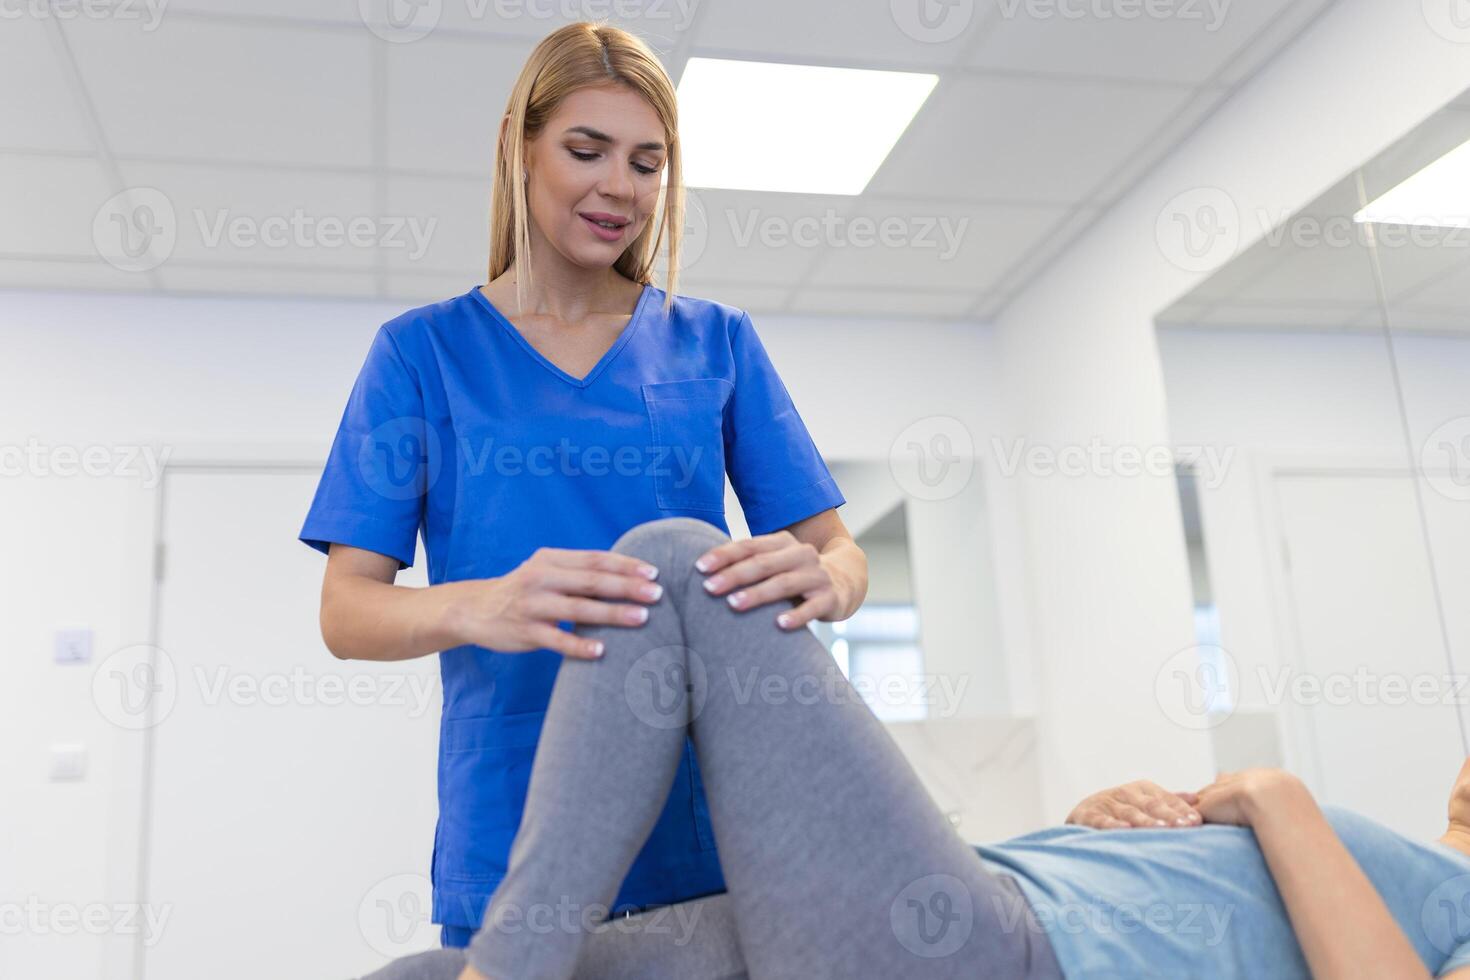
755	235
343	12
1286	317
1025	140
1412	270
1320	273
49	203
1371	319
419	288
886	242
273	282
452	218
1157	145
1448	291
230	92
861	35
658	22
1289	19
752	297
47	118
988	308
1029	263
249	216
1186	45
88	274
1431	321
882	302
526	20
430	133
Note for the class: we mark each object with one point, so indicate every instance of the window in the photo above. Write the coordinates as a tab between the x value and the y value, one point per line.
1206	614
878	648
878	651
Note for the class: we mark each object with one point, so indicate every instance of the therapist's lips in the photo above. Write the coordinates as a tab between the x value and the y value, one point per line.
606	234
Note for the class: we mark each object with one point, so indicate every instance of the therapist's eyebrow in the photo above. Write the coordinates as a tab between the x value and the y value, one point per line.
602	137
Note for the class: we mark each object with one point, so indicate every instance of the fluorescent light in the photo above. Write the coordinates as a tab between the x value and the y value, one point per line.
754	125
1437	196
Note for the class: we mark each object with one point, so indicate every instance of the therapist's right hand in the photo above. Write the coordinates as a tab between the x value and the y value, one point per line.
522	609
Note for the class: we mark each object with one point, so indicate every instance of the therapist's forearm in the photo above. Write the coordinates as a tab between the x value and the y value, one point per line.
848	566
363	618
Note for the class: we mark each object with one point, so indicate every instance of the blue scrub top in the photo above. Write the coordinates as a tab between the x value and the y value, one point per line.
458	428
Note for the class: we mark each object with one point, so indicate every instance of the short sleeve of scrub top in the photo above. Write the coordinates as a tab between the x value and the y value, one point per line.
372	488
774	466
457	426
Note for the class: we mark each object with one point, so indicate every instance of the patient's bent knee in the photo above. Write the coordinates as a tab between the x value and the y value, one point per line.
674	536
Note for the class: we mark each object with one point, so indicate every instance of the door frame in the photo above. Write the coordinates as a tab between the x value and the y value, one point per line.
1300	749
128	846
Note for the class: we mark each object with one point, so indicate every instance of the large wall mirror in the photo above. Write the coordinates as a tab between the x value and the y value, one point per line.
1328	367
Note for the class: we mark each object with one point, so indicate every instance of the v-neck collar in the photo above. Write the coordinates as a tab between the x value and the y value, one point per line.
612	352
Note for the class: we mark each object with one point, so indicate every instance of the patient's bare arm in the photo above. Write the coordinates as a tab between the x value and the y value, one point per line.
1137	804
1341	922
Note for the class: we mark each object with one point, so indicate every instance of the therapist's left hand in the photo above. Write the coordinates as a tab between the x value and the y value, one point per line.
769	567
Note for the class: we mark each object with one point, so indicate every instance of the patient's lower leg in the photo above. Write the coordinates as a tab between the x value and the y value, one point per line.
693	940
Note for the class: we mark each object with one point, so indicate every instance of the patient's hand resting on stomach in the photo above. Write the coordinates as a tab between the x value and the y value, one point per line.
1233	798
1140	803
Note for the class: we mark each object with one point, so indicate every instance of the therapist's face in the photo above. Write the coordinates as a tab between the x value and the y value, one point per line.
589	160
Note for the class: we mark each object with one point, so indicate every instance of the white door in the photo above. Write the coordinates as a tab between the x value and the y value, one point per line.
293	794
1366	633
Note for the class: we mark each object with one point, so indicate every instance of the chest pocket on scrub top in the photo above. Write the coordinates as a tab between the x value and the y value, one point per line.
688	457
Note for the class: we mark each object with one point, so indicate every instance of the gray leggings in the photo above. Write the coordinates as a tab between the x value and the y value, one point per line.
837	862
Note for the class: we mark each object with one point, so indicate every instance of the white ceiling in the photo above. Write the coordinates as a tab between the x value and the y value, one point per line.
1295	280
256	108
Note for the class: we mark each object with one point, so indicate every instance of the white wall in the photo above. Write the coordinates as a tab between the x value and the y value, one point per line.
120	371
1108	584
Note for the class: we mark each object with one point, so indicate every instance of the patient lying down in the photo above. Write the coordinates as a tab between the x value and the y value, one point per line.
839	865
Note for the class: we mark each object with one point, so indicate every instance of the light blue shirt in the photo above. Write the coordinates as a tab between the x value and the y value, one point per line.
1200	902
458	429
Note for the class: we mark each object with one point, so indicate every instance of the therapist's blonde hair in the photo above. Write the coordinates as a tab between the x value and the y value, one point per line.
579	55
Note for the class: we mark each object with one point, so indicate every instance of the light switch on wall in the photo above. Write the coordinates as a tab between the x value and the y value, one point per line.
73	646
68	763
